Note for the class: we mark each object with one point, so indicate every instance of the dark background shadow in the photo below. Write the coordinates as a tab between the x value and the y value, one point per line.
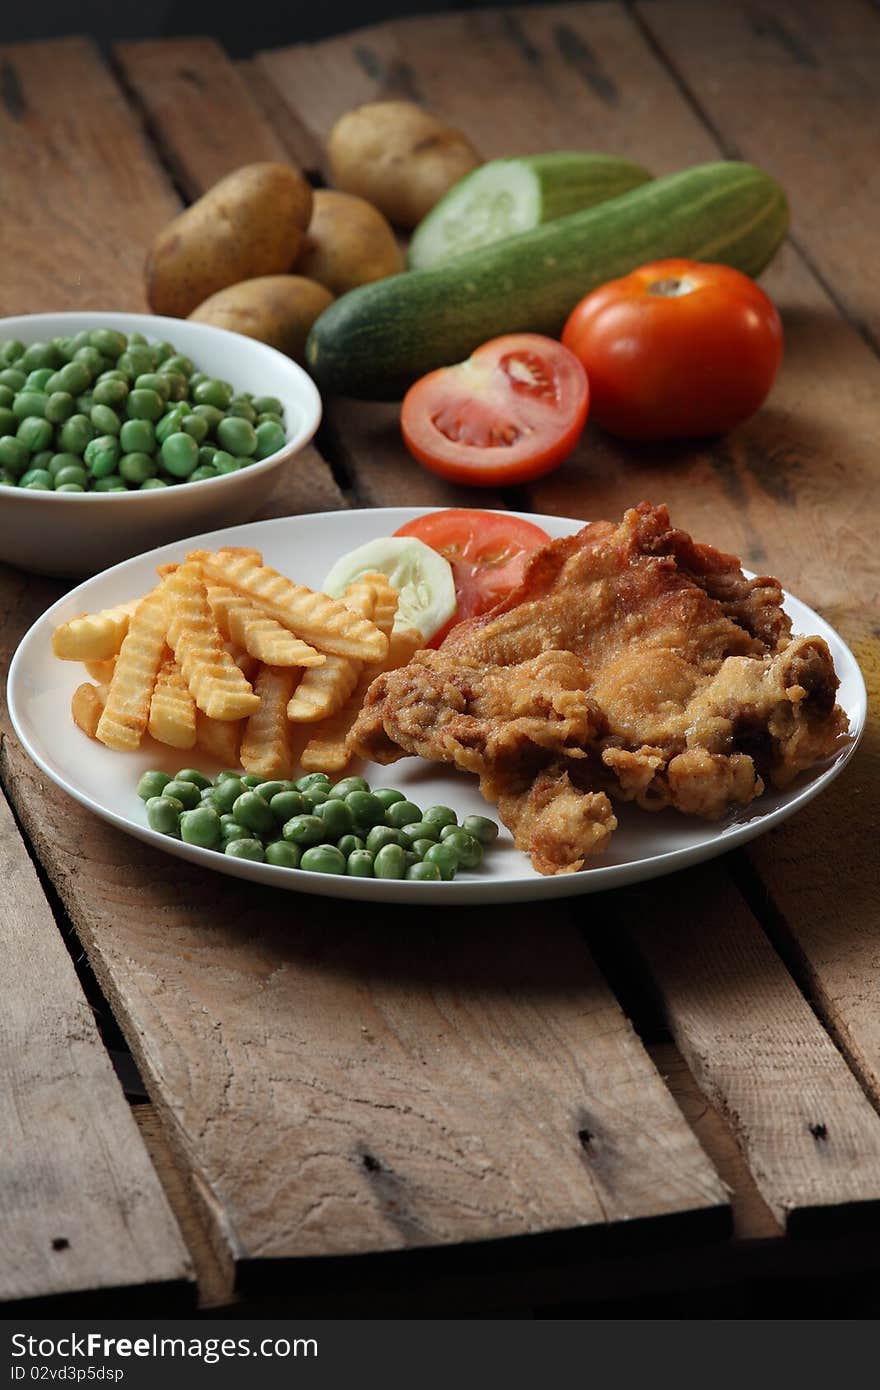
241	29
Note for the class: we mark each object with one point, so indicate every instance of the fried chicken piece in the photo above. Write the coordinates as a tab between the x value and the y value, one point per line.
631	661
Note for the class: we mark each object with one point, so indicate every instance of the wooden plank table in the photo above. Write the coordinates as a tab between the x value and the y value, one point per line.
670	1088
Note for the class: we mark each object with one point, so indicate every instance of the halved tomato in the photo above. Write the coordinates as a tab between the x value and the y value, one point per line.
487	552
512	411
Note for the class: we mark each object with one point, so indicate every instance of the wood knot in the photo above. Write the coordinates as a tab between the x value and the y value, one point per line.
61	1243
819	1131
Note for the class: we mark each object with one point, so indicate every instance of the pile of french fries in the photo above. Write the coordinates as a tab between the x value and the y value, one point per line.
228	655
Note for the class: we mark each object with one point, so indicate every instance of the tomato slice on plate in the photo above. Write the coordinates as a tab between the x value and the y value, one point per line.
487	552
512	411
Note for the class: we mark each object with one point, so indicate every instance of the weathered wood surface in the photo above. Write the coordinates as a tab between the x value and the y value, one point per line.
81	1208
792	490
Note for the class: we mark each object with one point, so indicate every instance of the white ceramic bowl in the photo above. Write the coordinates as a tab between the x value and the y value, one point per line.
73	534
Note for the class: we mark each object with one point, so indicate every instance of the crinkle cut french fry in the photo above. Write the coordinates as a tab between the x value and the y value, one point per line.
94	636
127	710
87	706
322	621
172	709
246	663
328	749
324	689
262	637
219	738
266	748
215	682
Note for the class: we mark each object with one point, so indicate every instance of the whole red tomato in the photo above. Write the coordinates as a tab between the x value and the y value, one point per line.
676	348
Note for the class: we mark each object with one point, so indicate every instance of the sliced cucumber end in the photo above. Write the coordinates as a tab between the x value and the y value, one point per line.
497	200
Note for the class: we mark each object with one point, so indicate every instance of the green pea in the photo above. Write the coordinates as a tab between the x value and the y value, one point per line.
69	487
209	413
360	864
102	455
38	355
402	813
13	378
481	828
388	796
225	463
138	437
380	836
270	786
195	425
203	473
336	817
268	439
350	784
73	473
366	808
237	436
136	360
420	847
242	410
316	795
6	398
251	811
201	827
91	359
37	477
440	816
175	386
150	483
347	844
283	855
11	351
162	351
36	380
137	468
84	403
43	459
250	779
27	403
112	483
268	403
424	872
105	420
192	774
59	461
304	830
144	405
206	795
111	391
230	828
228	774
8	422
108	342
185	792
445	858
74	378
163	814
152	783
468	850
36	485
246	849
226	793
271	419
180	455
153	381
323	859
418	830
212	392
35	434
207	454
389	862
170	423
178	363
13	454
285	805
312	779
75	434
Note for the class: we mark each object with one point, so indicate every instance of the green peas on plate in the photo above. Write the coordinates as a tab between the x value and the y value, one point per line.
246	849
359	864
251	811
335	816
482	829
201	827
163	814
402	813
445	858
323	859
390	862
304	830
283	854
468	849
380	836
348	844
424	872
440	816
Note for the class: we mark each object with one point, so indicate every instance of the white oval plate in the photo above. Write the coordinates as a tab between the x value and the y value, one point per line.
644	846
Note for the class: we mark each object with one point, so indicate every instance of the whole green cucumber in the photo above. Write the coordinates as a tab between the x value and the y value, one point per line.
375	341
509	196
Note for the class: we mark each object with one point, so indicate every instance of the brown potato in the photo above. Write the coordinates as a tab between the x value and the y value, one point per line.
250	223
399	157
348	243
276	309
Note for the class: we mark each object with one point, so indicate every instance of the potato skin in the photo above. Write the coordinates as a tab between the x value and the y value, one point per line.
250	223
348	243
399	157
276	309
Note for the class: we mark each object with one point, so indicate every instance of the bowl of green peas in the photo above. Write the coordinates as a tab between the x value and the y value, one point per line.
120	432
